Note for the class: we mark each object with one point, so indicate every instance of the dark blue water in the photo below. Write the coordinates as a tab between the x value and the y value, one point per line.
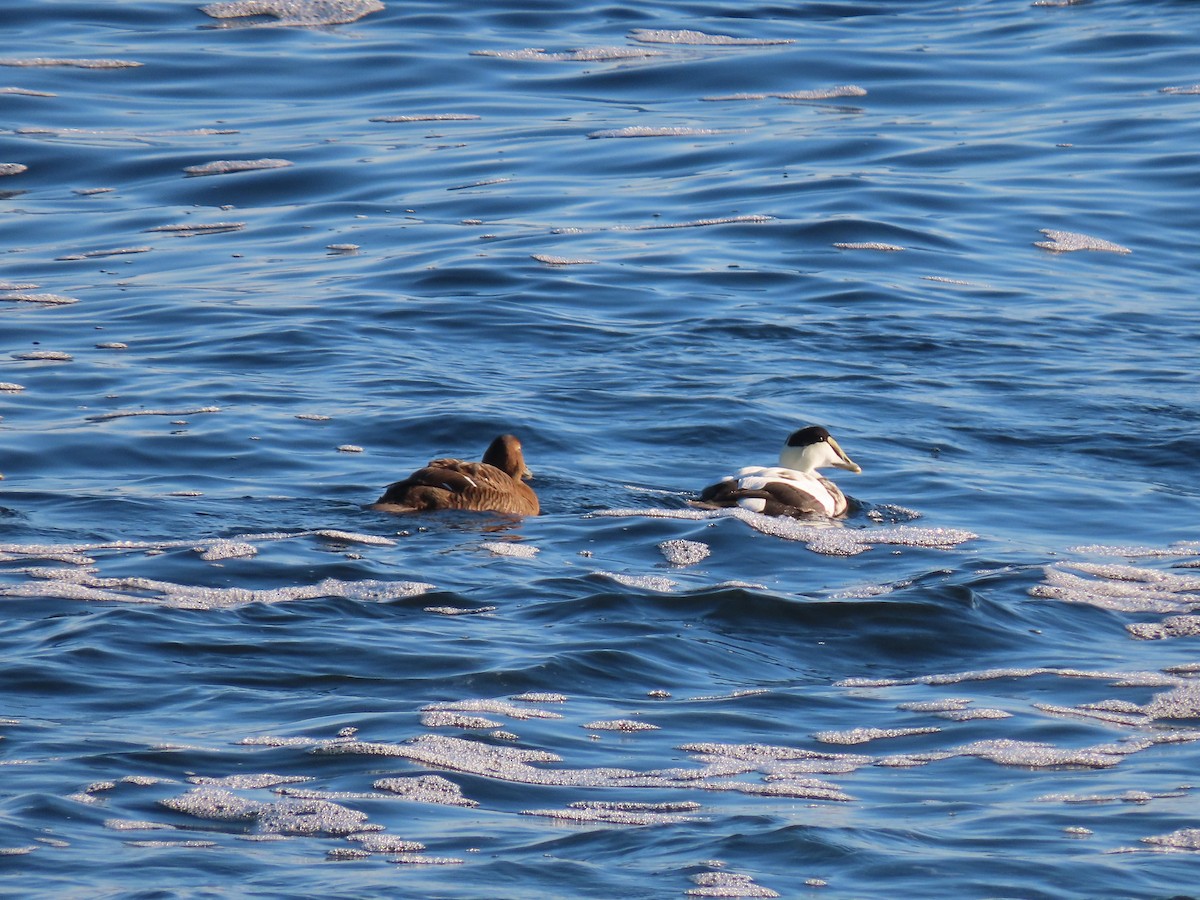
651	240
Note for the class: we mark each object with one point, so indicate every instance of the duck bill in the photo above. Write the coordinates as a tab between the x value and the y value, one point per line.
844	462
526	473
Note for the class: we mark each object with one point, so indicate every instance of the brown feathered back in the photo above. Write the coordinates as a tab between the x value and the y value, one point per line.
496	484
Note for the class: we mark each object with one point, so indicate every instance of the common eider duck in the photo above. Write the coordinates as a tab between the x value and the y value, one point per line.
793	488
495	485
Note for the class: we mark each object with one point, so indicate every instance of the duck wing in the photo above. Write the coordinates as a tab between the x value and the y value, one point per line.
772	498
457	484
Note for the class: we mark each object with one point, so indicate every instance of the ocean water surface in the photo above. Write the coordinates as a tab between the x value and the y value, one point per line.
255	267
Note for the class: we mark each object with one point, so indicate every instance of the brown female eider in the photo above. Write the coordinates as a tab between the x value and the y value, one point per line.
493	485
793	488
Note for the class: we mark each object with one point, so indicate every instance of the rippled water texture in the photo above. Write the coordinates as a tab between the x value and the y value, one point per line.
263	258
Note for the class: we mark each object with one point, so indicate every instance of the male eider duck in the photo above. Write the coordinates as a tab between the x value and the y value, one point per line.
494	485
793	488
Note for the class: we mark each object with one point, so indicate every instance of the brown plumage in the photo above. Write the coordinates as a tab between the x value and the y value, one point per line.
495	484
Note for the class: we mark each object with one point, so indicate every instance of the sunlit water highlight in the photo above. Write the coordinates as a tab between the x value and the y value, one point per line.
263	258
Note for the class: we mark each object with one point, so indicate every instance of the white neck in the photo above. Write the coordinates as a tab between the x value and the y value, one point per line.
810	458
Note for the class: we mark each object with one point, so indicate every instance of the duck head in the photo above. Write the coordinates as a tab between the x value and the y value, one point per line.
505	454
814	448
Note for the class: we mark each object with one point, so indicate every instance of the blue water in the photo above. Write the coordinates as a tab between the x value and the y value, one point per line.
222	674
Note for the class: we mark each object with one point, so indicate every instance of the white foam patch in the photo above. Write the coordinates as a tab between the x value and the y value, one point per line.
353	537
642	582
864	735
796	789
1180	702
374	842
1070	242
513	549
584	54
528	767
786	769
868	245
53	61
1034	755
547	260
1060	585
215	805
1130	589
826	538
867	591
652	131
751	219
540	697
1181	89
732	695
426	789
288	816
1139	797
81	585
1154	578
628	725
700	39
10	387
219	550
346	853
934	706
1170	627
247	782
80	554
446	719
43	299
684	553
228	166
428	117
1185	839
416	859
829	93
727	884
512	764
498	707
1127	679
459	611
136	825
956	282
970	715
291	12
313	794
620	813
310	817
